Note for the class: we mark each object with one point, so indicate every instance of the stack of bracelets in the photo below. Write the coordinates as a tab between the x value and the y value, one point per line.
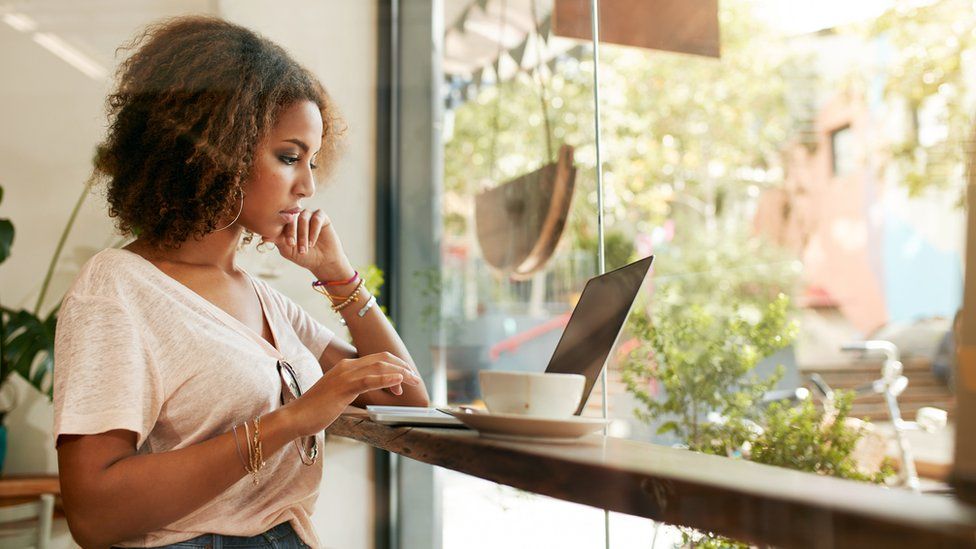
256	461
340	302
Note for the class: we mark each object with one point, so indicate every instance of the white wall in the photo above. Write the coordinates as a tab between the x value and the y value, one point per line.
53	117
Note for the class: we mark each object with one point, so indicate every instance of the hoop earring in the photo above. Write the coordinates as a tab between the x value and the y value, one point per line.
238	213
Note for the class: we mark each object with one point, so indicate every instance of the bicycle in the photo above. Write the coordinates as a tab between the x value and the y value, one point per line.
890	385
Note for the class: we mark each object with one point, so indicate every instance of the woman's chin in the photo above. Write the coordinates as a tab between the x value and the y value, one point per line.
268	232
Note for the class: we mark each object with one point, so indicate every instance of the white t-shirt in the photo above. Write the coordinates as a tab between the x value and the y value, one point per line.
138	350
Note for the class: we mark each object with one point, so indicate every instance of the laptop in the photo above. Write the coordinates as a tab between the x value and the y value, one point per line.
583	348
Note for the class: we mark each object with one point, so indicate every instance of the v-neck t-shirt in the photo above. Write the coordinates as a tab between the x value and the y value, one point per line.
137	350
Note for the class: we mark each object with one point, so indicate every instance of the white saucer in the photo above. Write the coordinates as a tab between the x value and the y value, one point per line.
528	428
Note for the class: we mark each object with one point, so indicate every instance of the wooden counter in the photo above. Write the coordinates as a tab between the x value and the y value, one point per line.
757	503
16	489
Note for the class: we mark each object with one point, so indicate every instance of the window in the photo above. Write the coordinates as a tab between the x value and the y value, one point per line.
700	157
842	151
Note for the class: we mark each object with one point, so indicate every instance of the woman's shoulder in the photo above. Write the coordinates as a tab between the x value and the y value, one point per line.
111	273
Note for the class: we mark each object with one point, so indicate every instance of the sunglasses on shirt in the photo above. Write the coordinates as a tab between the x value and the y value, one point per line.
290	390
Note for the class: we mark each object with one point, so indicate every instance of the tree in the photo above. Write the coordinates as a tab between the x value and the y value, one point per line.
930	77
683	137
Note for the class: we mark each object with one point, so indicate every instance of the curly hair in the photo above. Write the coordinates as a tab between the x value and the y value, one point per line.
191	105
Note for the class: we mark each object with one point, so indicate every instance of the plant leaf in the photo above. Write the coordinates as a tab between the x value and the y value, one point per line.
667	427
25	337
6	238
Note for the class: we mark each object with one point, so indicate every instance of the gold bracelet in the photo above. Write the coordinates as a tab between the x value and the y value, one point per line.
250	453
258	457
352	298
237	445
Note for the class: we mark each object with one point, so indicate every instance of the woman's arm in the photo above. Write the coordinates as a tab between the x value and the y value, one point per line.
372	333
112	494
311	242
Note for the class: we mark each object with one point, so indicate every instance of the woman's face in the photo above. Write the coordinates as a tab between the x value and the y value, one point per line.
282	172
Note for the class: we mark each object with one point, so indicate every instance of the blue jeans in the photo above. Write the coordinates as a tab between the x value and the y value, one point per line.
282	536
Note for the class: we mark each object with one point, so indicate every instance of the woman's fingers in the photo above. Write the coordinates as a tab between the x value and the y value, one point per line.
301	230
386	356
408	376
293	241
315	227
382	381
287	237
373	372
381	363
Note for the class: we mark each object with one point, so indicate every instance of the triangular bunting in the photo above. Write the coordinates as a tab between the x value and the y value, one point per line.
518	52
545	28
552	65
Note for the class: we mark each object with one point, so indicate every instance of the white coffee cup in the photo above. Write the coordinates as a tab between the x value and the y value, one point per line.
534	394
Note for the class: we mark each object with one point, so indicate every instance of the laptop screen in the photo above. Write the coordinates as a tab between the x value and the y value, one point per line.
596	322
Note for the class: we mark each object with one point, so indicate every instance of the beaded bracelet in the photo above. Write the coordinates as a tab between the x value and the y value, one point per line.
348	300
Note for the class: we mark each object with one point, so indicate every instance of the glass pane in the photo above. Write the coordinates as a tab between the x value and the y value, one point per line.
800	192
509	277
519	234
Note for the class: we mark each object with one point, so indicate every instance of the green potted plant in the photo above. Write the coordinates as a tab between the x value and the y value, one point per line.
716	324
27	337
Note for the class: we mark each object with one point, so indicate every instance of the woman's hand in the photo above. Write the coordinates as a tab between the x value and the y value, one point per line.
311	242
318	407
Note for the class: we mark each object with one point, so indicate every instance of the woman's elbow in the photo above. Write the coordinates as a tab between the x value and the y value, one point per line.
84	531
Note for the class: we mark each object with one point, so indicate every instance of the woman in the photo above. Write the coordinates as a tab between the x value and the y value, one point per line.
173	363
